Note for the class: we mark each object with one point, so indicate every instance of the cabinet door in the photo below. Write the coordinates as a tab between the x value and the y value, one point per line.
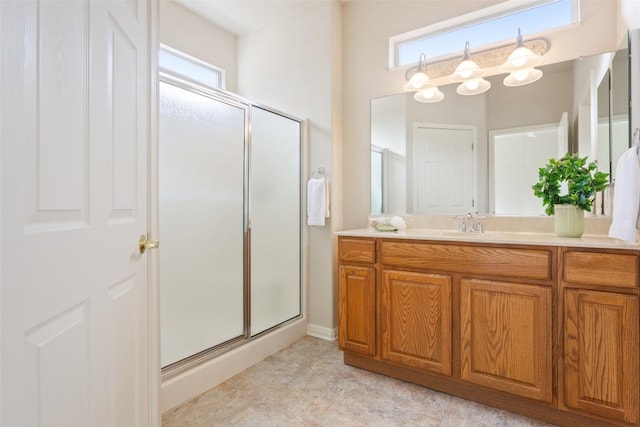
416	313
506	337
601	353
357	303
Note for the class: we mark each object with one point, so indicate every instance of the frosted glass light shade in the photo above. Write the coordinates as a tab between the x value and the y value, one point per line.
431	94
473	87
417	82
521	58
522	77
466	70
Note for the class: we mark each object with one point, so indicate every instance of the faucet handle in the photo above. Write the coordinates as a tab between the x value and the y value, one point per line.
462	223
479	226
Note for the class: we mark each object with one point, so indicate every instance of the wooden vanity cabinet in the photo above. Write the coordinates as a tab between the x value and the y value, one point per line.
549	332
503	322
357	296
601	335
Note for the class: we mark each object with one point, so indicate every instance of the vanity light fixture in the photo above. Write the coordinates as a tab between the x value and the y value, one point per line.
420	83
518	62
419	79
470	76
520	65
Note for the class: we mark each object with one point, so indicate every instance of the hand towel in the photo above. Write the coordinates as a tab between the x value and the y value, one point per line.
626	197
317	201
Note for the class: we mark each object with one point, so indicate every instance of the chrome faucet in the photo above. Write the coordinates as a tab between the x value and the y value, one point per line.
470	223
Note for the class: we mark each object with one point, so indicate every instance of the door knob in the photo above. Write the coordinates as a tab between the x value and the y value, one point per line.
145	243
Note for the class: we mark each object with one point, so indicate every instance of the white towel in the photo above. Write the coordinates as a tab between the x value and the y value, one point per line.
317	201
626	197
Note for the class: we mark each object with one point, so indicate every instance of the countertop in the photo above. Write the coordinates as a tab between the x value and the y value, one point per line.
504	237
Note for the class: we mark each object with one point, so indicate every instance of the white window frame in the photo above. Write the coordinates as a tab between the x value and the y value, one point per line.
482	15
219	72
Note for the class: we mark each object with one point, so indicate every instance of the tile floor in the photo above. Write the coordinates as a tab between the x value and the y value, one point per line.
307	384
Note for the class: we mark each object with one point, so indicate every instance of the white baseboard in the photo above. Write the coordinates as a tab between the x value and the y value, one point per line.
327	334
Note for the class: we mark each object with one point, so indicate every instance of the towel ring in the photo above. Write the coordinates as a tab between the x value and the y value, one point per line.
319	172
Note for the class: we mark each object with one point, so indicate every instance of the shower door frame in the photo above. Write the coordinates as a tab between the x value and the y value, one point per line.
190	362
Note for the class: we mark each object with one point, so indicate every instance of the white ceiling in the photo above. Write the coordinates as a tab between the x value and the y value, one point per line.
244	16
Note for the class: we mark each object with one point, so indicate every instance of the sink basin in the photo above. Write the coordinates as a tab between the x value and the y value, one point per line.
461	234
522	237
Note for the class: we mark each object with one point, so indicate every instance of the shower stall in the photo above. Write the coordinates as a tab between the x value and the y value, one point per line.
229	192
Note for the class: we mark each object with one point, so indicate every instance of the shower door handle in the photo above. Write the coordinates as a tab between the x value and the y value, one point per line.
145	243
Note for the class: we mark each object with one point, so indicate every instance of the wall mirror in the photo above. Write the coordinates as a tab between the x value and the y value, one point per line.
482	152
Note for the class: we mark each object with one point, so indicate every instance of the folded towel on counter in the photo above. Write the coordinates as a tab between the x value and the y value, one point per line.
317	201
626	197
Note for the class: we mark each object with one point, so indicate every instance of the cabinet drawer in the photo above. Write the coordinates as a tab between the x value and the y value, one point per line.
593	268
494	261
357	250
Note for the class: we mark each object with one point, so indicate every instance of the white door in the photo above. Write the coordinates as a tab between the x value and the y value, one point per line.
444	170
74	134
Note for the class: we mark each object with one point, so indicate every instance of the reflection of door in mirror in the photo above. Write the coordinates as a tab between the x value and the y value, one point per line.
620	132
394	182
376	180
611	104
388	181
443	169
603	139
515	157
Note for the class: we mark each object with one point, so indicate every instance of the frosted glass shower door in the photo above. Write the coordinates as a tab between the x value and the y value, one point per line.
201	215
274	209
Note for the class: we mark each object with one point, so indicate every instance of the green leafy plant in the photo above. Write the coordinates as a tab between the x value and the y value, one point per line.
582	182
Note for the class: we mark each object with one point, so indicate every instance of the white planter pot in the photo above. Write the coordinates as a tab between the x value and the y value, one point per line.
568	221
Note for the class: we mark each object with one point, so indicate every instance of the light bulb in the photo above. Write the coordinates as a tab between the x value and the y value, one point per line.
418	80
521	75
522	57
466	69
473	84
428	94
519	57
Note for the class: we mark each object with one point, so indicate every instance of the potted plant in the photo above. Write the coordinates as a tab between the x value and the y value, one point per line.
568	187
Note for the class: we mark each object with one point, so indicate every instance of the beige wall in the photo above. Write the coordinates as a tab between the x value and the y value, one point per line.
367	27
292	66
325	64
182	29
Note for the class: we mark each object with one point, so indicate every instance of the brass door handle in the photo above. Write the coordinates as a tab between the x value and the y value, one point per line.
145	243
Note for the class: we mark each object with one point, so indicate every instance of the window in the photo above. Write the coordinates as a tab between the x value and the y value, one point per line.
485	27
179	63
